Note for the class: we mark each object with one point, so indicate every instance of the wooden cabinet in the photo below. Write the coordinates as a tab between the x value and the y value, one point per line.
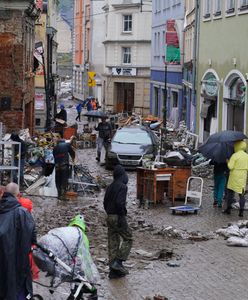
153	183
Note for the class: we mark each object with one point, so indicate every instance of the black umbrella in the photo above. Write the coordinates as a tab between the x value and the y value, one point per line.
226	136
96	114
219	146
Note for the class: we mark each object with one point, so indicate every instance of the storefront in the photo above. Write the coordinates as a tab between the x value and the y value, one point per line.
209	105
234	102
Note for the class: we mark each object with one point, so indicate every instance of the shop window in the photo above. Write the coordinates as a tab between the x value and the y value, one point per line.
207	9
126	55
127	23
230	6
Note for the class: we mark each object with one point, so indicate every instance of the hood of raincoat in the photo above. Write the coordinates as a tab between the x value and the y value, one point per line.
79	222
240	145
8	203
120	174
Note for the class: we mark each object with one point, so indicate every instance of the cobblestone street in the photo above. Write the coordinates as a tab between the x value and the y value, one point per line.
208	270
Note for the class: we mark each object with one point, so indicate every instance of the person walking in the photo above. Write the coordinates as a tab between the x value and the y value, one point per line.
105	134
60	120
220	177
79	108
17	234
238	166
61	154
115	207
15	138
62	115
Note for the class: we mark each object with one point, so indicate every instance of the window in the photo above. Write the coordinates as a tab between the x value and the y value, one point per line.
230	6
127	23
37	122
159	43
243	5
217	8
159	5
207	9
126	55
156	99
155	43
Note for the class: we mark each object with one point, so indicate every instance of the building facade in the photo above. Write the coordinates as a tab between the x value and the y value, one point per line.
17	21
81	48
189	61
127	56
64	36
164	72
46	78
222	68
97	46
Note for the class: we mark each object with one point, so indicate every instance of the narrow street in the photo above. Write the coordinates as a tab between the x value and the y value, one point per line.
203	268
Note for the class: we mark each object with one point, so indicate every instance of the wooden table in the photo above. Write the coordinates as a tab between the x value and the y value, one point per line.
153	183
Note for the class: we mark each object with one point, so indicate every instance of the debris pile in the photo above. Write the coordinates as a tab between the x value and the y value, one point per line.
236	233
171	232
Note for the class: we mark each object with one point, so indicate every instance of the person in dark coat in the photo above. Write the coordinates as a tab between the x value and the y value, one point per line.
61	154
62	114
105	134
15	138
60	125
17	234
115	207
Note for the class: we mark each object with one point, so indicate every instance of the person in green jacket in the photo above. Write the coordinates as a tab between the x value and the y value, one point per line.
238	166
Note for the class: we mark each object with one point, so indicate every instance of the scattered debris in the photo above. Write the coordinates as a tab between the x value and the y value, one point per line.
236	234
173	264
171	232
156	297
162	254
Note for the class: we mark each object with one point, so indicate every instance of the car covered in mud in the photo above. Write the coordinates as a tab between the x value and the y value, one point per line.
130	145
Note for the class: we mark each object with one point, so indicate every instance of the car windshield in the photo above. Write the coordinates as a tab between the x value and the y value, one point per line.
132	137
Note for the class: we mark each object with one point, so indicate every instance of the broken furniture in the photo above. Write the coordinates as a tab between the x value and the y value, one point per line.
8	159
193	191
153	183
81	180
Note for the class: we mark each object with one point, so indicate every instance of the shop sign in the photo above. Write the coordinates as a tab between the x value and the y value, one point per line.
210	86
124	71
39	101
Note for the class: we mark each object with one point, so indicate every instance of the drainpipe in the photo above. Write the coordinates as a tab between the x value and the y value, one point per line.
195	55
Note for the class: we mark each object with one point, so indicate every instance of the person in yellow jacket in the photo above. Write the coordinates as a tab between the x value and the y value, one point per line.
238	166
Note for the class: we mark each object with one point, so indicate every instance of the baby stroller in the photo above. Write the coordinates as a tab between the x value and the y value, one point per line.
64	255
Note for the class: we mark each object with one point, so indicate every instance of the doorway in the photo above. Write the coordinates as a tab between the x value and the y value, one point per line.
125	97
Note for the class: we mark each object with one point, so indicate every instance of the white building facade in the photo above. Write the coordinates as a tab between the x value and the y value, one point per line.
97	49
126	77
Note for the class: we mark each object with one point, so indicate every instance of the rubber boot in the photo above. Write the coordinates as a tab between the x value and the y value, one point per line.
116	265
98	158
227	211
115	274
241	213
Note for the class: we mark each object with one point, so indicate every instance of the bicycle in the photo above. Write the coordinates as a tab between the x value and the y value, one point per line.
80	287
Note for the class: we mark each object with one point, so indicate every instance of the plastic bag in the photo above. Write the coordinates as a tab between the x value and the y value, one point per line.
66	243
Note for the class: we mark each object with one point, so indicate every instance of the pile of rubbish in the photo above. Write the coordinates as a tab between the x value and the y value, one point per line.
236	234
171	232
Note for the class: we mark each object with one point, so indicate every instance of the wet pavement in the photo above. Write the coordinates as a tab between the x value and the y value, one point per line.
203	270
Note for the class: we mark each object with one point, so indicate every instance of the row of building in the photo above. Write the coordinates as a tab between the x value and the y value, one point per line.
187	58
29	34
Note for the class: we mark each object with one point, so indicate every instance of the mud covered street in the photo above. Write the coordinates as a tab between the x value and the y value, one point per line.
178	257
